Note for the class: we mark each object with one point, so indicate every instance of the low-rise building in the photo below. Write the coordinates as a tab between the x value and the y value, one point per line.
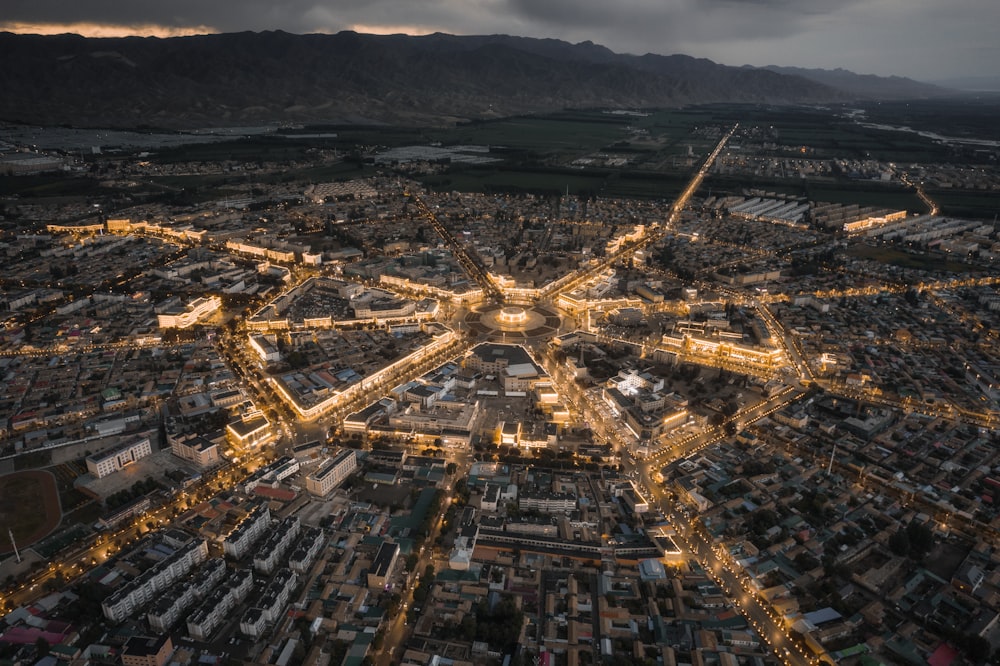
248	431
147	650
176	315
108	462
383	565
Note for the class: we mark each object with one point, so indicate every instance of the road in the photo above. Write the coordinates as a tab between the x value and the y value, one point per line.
555	289
77	561
690	532
735	584
471	264
397	632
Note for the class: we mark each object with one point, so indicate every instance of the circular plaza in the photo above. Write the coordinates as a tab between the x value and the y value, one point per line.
513	323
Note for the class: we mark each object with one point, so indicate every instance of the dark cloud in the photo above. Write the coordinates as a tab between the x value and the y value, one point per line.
920	38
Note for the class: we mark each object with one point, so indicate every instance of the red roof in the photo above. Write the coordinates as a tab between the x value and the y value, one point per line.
943	655
280	494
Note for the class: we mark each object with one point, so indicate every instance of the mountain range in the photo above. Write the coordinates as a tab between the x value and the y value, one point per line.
241	78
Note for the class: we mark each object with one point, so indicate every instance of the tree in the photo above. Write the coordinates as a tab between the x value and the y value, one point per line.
921	539
899	543
977	648
450	468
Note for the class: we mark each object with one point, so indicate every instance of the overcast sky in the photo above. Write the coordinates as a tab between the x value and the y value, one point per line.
922	39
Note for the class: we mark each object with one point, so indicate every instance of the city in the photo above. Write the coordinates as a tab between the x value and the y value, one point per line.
331	407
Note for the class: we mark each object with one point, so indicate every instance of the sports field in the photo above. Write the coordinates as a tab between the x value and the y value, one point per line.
29	507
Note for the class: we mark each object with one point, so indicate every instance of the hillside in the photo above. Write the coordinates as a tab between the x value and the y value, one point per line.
866	86
240	78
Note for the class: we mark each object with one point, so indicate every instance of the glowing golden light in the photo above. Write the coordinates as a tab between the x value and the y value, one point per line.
413	30
105	29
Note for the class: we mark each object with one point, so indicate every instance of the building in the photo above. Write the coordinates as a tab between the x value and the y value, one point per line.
332	472
108	462
269	604
197	448
136	507
175	315
265	347
130	597
272	474
21	164
518	372
216	607
492	358
248	431
170	607
267	555
546	502
362	420
632	500
147	651
306	549
383	565
250	529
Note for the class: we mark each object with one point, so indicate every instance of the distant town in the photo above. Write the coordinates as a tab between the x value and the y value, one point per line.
327	404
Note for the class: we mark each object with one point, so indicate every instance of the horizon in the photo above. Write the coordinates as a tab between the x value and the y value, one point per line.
109	32
884	38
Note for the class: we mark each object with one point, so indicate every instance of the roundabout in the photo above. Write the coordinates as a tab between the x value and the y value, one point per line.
513	323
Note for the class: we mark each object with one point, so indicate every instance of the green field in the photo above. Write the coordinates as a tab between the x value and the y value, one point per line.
966	203
925	262
48	185
541	135
845	192
538	154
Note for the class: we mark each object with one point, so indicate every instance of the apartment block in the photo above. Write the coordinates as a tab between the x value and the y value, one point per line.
217	605
269	604
272	550
246	534
170	607
140	591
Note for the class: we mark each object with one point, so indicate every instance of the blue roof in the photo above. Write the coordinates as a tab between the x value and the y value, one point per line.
821	616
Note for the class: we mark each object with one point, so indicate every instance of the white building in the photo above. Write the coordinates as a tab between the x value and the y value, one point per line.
239	541
172	605
196	448
332	472
185	316
216	606
129	598
269	604
270	552
306	549
108	462
263	345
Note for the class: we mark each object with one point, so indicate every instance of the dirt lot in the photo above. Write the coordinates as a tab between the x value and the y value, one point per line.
29	507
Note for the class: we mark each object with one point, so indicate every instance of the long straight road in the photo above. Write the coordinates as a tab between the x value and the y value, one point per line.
566	286
471	264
